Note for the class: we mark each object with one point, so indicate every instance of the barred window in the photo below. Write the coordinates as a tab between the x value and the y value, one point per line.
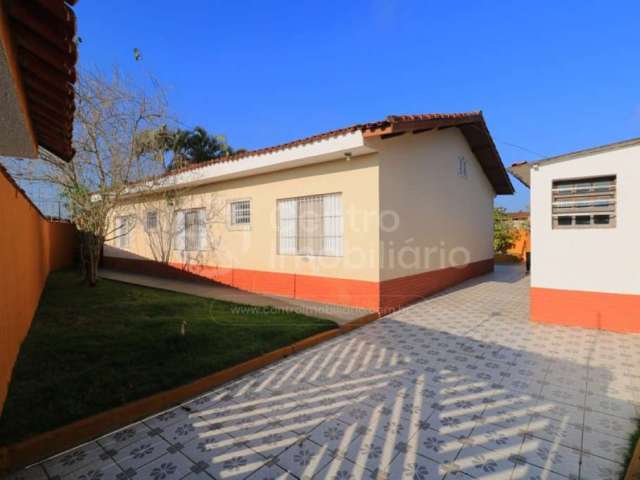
151	223
124	227
584	203
311	225
191	230
240	212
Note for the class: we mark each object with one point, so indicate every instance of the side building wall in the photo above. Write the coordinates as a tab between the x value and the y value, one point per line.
248	258
436	215
587	277
30	248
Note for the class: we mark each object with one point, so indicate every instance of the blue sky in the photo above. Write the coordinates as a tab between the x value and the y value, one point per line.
550	77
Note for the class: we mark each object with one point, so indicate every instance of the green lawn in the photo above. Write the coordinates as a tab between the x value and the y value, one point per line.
91	349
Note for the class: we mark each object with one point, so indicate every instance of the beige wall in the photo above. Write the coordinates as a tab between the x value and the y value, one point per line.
430	206
406	211
255	248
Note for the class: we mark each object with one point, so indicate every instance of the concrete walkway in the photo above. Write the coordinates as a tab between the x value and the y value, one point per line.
458	386
337	313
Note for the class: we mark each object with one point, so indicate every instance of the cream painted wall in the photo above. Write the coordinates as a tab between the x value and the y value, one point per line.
255	248
598	260
435	208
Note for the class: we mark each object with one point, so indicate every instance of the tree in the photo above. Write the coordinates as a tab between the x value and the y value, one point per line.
504	234
195	146
112	122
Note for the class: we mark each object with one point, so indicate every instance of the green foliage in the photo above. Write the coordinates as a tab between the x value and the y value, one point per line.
92	349
195	146
504	234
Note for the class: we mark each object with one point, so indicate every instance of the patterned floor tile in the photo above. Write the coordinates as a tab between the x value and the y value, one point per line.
270	472
531	472
463	378
551	456
123	437
597	468
304	459
169	417
235	463
410	467
104	470
139	453
609	424
604	445
336	435
479	462
343	469
171	466
72	460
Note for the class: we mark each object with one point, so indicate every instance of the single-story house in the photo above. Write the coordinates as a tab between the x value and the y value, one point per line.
585	228
373	216
519	219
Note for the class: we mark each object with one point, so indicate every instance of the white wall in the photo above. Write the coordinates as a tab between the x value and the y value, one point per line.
598	260
436	208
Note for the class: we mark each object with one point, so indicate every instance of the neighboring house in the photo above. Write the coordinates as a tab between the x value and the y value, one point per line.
373	216
519	219
585	228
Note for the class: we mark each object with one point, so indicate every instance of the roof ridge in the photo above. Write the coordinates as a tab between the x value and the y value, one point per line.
375	125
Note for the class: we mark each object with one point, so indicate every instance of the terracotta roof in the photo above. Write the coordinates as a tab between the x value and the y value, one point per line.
43	37
521	215
471	124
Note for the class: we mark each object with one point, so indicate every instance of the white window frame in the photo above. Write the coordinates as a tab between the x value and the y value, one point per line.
123	240
596	198
232	222
180	242
289	226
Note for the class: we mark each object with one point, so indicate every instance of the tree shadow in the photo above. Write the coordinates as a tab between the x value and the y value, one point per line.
396	400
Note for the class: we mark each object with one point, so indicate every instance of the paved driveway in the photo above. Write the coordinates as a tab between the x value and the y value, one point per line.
457	386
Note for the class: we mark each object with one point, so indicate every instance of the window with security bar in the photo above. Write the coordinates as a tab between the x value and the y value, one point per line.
240	212
311	225
124	229
190	230
584	203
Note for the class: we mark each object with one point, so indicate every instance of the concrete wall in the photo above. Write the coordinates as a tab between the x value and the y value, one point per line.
30	247
588	277
521	245
593	259
443	219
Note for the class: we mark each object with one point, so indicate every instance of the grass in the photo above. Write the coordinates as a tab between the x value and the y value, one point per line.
92	349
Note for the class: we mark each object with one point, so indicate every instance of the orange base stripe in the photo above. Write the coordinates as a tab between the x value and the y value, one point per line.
605	311
401	291
380	297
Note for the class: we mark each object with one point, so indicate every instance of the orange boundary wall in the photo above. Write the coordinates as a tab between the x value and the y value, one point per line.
30	248
377	296
606	311
522	245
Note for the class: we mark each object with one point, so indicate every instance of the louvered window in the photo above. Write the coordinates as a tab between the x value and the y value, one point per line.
584	203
